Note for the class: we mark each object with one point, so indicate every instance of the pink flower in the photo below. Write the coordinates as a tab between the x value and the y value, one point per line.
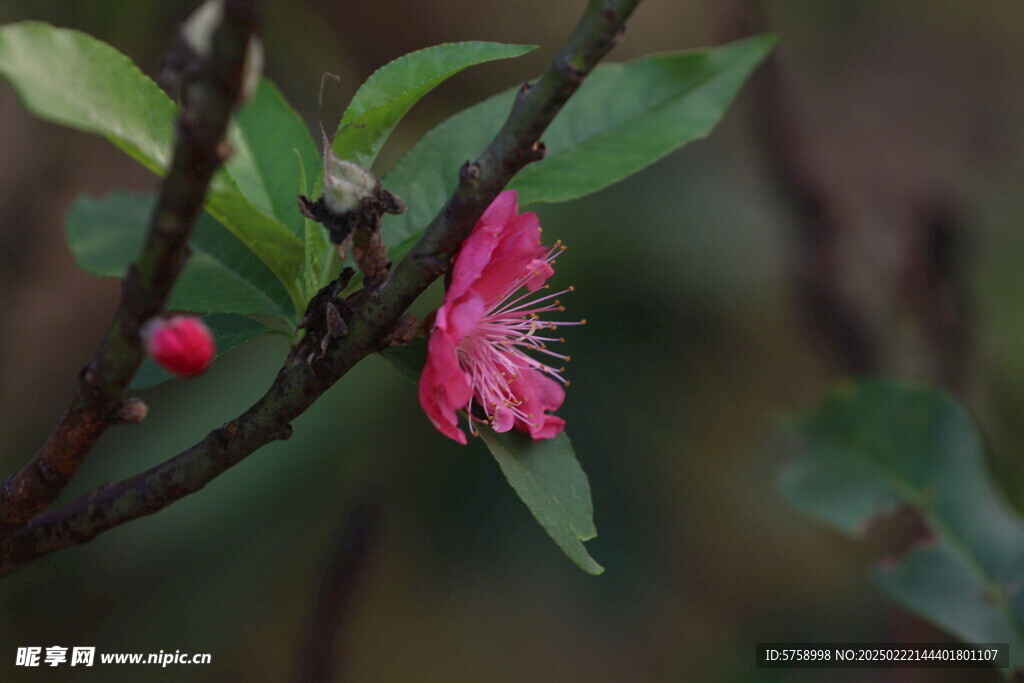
182	344
481	355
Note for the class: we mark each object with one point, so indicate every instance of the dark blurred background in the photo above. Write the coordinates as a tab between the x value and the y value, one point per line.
857	212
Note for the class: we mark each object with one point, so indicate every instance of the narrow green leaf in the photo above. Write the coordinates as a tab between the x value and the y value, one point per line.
880	447
318	250
280	249
272	150
386	96
623	118
70	78
548	478
545	474
627	116
222	275
229	330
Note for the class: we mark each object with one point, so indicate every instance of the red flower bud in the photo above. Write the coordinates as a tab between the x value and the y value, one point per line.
182	344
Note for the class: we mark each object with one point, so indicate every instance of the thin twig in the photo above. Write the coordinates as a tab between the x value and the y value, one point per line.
929	286
319	655
827	311
199	151
373	314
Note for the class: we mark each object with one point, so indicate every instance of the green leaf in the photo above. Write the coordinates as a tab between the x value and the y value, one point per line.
268	238
551	482
316	264
272	151
106	234
880	447
228	330
631	115
70	78
386	96
623	118
545	473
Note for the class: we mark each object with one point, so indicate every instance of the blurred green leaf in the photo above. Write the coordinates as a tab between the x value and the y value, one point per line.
73	79
386	96
877	448
272	151
623	118
548	478
229	330
106	234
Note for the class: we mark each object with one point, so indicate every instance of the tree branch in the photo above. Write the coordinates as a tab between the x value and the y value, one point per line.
371	314
199	151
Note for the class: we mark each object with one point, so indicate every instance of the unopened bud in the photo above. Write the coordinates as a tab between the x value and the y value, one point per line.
181	344
346	185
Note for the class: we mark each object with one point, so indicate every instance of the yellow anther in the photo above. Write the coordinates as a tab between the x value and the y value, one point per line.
583	322
571	288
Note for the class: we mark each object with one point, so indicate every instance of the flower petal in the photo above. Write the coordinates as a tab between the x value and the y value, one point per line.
463	315
472	260
547	391
502	210
511	258
444	388
551	427
540	271
539	394
503	419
